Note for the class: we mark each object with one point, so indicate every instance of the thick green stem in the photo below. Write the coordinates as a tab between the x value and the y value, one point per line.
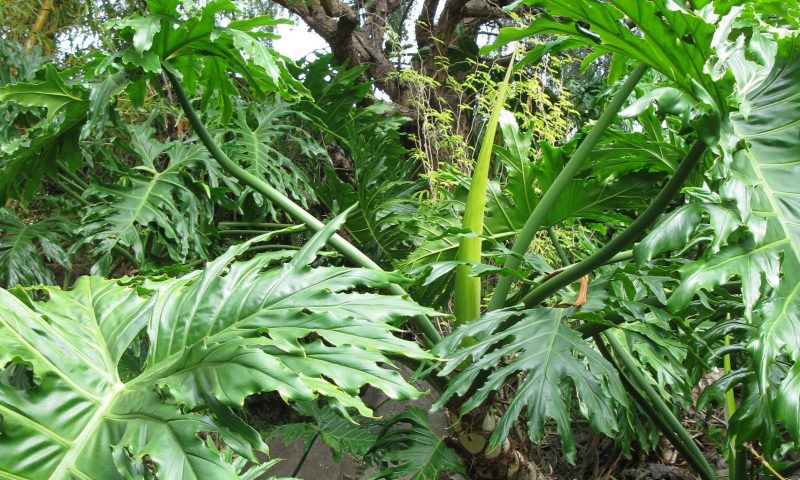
637	227
258	225
737	457
272	246
686	445
75	179
637	397
241	233
59	182
343	246
621	256
551	196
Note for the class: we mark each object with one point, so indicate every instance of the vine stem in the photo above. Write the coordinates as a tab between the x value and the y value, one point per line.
562	255
552	195
737	460
343	246
636	228
240	233
261	225
645	406
686	444
305	455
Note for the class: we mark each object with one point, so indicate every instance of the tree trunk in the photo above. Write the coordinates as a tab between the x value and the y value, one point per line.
358	37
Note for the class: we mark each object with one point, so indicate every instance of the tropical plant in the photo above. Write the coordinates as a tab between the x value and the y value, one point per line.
162	198
169	359
701	103
368	164
409	448
677	198
25	249
260	135
342	435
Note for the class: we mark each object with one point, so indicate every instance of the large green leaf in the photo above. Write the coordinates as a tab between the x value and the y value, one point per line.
386	216
200	50
655	149
147	199
372	168
262	139
554	364
763	186
25	159
675	229
25	247
772	131
53	94
407	447
673	40
210	345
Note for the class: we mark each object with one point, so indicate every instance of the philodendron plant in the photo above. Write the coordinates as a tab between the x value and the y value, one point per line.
138	377
696	153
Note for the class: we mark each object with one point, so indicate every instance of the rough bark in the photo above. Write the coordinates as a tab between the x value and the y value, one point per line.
357	33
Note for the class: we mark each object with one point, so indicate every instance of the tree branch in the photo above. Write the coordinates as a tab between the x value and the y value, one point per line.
482	9
424	28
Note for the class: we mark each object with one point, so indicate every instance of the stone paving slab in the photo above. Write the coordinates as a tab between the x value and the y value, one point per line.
319	465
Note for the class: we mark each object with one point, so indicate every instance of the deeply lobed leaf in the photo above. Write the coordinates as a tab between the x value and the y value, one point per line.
210	347
552	361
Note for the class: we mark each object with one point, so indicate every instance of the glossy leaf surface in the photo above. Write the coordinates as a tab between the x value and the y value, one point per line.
216	336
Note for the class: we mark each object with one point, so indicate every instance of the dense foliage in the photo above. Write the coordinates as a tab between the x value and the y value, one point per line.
620	250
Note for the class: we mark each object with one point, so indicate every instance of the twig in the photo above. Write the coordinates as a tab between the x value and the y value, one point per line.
763	461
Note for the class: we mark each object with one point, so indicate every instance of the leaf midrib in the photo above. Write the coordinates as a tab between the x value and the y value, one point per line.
68	461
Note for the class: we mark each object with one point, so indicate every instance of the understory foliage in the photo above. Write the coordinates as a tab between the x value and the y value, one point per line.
636	266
